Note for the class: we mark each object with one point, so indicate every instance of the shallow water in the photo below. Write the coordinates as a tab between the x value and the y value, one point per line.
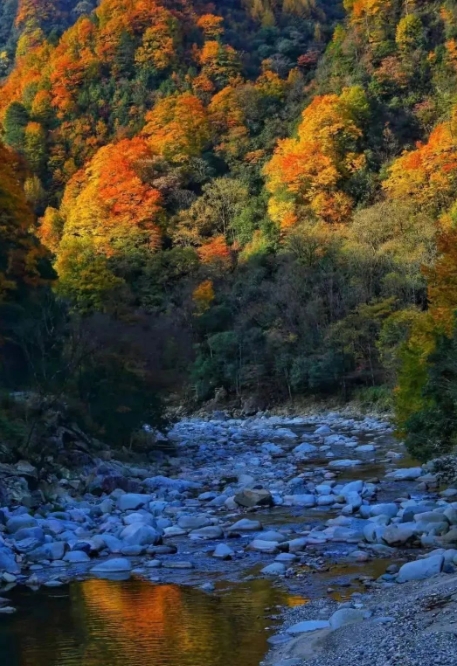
135	623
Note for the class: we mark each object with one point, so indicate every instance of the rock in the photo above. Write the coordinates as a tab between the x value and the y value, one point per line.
323	431
7	610
140	535
210	532
399	535
114	565
274	569
306	500
253	497
264	546
174	531
35	533
304	449
345	616
177	565
49	551
194	521
223	552
245	525
326	500
406	474
341	464
389	510
8	562
352	487
297	545
307	625
286	557
76	557
20	522
421	569
365	448
132	501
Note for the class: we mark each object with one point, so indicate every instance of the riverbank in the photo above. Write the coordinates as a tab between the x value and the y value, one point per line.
327	505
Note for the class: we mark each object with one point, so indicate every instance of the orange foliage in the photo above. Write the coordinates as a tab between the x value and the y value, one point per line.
215	251
211	25
428	174
309	171
203	296
177	128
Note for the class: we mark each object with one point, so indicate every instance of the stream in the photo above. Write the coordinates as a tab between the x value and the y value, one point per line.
175	603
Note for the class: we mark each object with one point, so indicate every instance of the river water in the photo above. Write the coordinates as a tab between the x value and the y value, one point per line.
136	623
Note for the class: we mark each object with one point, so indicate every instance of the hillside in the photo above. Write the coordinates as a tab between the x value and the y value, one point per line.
255	196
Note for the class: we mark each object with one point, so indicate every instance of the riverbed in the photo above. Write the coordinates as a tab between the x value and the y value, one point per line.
188	561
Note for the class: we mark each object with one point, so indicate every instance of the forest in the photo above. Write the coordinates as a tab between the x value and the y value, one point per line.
247	198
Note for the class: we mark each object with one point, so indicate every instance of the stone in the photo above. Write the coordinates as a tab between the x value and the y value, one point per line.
8	562
297	545
254	497
132	501
326	500
421	569
306	500
399	535
140	535
264	546
274	569
286	557
210	532
304	449
178	565
194	521
49	551
174	531
352	487
20	522
114	565
323	431
345	616
76	557
245	525
406	474
223	552
307	625
388	509
341	464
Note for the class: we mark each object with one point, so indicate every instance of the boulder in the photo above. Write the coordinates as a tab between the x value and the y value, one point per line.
76	557
210	532
194	521
49	551
245	525
388	509
20	522
274	569
8	562
400	535
140	535
114	565
345	616
254	497
132	501
307	625
264	546
223	552
304	449
421	569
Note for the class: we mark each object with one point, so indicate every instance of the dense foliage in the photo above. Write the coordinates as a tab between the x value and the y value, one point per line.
254	193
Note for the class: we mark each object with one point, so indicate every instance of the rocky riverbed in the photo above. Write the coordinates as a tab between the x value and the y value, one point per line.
328	505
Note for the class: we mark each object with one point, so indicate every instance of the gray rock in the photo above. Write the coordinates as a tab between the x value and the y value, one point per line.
297	545
253	497
406	474
346	462
114	565
389	509
400	535
194	521
304	449
323	431
49	551
76	557
274	569
210	532
8	562
20	522
245	525
307	625
421	569
223	552
132	501
140	535
345	616
264	546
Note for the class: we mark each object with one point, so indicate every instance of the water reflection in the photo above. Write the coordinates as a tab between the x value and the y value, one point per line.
104	623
